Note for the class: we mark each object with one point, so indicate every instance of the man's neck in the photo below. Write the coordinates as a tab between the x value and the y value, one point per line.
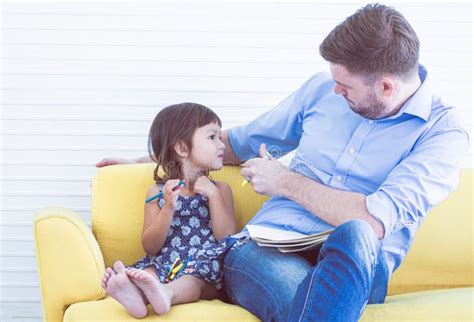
407	90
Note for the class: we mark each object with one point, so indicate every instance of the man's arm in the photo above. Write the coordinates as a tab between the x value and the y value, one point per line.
331	205
423	179
113	161
229	156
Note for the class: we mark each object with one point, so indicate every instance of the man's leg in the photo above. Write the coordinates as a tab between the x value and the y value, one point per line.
263	280
338	287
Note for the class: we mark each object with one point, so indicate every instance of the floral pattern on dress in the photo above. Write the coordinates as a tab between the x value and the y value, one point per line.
190	236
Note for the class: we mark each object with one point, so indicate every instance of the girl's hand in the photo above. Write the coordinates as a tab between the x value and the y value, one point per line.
205	187
169	195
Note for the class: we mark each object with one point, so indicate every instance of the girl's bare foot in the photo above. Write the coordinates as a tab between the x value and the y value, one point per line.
158	296
118	285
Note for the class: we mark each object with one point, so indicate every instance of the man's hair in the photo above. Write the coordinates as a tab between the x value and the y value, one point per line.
375	40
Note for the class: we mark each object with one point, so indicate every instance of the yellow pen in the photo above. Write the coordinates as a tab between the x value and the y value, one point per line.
175	271
172	267
177	268
267	156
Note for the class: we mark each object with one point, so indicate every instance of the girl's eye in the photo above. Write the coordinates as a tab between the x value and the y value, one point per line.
212	137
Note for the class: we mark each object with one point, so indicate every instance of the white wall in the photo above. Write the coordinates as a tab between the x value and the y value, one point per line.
82	81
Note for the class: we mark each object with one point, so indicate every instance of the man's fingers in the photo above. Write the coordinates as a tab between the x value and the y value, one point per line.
250	162
104	163
246	172
263	150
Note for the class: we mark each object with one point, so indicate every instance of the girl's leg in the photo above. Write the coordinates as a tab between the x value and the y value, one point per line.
186	289
118	285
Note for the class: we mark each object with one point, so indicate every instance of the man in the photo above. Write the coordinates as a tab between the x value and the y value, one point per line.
375	150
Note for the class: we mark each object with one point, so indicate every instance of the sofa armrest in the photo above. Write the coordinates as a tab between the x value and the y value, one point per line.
70	263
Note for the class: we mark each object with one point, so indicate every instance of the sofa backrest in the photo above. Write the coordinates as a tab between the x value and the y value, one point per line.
441	255
118	195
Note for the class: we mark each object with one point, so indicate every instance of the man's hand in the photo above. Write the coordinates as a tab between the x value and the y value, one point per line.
112	161
265	175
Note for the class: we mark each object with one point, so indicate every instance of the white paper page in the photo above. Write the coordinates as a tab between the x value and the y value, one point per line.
272	233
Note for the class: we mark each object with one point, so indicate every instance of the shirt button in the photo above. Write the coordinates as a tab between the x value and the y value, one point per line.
339	178
371	121
351	151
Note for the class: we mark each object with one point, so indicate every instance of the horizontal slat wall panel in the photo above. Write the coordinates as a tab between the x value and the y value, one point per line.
84	80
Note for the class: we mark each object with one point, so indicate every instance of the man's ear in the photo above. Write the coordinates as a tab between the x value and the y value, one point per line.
181	149
387	86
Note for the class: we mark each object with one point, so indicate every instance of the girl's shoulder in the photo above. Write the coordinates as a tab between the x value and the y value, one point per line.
221	185
155	188
153	191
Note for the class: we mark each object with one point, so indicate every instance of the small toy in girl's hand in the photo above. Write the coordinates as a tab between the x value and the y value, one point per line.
159	194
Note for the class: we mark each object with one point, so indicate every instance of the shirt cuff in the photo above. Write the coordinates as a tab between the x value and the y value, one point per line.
383	209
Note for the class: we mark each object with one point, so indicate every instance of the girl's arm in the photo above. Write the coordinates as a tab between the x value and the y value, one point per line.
158	220
221	209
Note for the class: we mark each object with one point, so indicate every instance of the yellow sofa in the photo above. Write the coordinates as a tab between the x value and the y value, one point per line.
434	283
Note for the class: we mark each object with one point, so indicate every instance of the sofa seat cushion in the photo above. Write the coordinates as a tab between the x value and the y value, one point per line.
109	309
437	305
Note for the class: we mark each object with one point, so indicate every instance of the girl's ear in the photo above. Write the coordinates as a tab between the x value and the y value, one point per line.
181	149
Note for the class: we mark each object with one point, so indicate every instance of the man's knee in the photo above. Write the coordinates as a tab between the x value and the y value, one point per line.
357	238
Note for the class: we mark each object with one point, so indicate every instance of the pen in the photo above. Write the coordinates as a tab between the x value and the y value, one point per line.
267	156
159	194
175	263
184	265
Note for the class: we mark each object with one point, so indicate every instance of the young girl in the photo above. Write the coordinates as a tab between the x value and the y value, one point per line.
184	228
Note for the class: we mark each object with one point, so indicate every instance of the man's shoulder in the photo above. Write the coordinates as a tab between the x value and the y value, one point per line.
320	79
445	115
317	86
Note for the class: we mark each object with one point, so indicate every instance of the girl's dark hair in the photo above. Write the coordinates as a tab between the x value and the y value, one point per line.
173	124
373	41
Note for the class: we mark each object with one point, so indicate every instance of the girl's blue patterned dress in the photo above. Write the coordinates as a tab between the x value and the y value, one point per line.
190	235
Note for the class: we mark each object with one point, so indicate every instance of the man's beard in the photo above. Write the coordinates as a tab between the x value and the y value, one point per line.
371	109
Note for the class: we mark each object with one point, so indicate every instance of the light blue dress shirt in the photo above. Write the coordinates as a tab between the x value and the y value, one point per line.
404	164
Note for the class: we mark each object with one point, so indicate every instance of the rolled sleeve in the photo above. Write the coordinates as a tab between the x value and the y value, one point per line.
420	181
383	209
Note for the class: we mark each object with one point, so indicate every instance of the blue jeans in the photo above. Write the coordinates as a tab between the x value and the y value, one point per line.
333	283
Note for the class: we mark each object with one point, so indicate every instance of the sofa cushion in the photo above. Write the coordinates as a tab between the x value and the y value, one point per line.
440	305
448	305
110	310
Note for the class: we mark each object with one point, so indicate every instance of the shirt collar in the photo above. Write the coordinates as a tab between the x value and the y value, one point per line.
420	103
